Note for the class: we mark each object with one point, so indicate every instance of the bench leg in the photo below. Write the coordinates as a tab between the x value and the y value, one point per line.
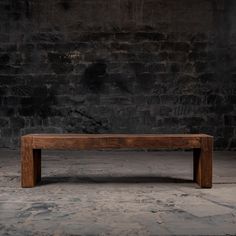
37	164
196	167
30	165
202	163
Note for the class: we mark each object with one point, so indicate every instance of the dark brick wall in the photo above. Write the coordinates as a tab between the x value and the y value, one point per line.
127	66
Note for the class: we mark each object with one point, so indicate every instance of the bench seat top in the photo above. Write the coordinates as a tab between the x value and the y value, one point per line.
115	135
109	141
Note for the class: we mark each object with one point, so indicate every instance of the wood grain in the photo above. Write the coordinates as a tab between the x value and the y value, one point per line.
202	159
110	141
30	163
32	144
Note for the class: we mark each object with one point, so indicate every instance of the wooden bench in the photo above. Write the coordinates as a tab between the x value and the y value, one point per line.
32	144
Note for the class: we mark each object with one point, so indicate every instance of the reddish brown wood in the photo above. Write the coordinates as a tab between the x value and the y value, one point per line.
105	141
32	144
202	163
30	163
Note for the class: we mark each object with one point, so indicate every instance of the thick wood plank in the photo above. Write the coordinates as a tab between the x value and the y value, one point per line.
110	141
30	163
27	163
202	159
31	146
116	135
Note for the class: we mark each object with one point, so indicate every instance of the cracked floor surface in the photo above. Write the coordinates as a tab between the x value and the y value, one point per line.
117	193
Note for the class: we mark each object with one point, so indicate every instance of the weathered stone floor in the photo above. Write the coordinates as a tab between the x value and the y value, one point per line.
118	193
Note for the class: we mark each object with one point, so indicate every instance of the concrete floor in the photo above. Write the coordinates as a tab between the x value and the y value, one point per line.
118	193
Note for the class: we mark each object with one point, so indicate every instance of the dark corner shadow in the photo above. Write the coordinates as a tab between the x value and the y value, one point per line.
112	179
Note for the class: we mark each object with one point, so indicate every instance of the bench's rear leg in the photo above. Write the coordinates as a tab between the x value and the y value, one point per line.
37	164
202	163
196	165
30	164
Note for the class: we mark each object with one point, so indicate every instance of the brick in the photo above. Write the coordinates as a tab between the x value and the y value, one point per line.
8	47
189	68
174	67
149	36
200	46
221	143
224	132
233	144
169	99
47	37
94	77
207	129
26	111
215	99
192	121
156	67
199	37
207	77
198	56
147	57
152	100
190	100
123	36
96	36
182	47
145	118
121	56
4	38
232	99
221	108
151	47
168	46
121	85
214	120
4	59
4	122
201	67
21	90
184	110
17	122
121	46
10	69
170	121
62	68
58	58
177	56
118	68
139	99
6	111
160	89
163	56
144	82
116	100
6	132
230	120
165	111
11	101
3	91
175	46
138	67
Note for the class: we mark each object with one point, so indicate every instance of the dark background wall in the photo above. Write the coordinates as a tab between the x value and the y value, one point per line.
127	66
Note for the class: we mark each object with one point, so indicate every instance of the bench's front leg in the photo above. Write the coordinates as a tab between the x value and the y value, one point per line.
202	163
30	164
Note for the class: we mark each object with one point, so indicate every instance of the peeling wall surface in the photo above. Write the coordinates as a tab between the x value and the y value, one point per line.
127	66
